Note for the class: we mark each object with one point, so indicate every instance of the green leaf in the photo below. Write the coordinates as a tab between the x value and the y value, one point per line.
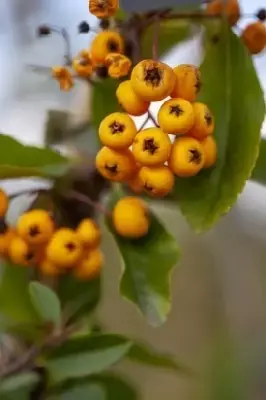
259	172
171	33
86	355
46	303
232	90
18	160
148	263
140	5
18	387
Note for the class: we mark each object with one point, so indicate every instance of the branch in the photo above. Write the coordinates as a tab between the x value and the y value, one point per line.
151	117
155	44
27	191
73	194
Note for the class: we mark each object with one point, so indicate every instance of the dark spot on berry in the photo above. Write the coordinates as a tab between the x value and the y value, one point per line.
84	27
215	39
150	146
177	110
102	4
102	72
111	168
34	230
198	82
148	187
29	256
208	118
195	156
43	30
153	75
70	246
261	14
3	226
104	24
112	46
116	127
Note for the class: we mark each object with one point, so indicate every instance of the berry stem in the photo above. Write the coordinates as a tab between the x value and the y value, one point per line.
151	117
144	123
73	194
155	45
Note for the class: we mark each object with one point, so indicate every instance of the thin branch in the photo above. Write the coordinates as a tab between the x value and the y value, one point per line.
144	123
28	192
151	117
73	194
155	44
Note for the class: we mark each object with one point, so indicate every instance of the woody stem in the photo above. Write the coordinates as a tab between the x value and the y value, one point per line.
155	45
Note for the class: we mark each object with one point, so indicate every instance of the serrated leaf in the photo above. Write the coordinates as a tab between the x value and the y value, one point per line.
259	172
46	303
18	160
232	90
148	263
18	386
86	355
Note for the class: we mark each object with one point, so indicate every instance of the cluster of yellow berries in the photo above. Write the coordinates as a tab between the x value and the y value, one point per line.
35	241
153	160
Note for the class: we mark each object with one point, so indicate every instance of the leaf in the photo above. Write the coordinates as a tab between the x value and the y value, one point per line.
56	126
232	90
140	5
86	355
17	387
148	263
171	33
18	160
259	172
46	303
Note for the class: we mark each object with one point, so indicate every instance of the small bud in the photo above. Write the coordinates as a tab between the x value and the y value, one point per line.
104	24
102	72
43	30
84	27
261	14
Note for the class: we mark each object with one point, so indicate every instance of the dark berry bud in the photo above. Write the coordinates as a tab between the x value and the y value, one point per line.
84	27
261	14
3	226
104	24
43	30
102	72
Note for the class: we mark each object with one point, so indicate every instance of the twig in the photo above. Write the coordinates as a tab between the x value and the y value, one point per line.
151	117
155	44
27	191
73	194
65	36
144	123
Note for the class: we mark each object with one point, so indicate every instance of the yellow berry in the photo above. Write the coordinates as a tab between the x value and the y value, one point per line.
47	268
103	8
157	181
104	43
187	157
130	101
254	37
64	249
5	240
230	8
118	65
204	122
35	227
135	183
117	131
83	64
176	116
64	78
210	151
4	202
20	252
89	233
151	147
130	218
90	266
114	165
152	80
187	83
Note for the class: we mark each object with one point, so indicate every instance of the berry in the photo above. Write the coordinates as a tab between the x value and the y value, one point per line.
130	101
36	227
90	267
210	151
89	233
64	249
231	9
104	43
151	147
103	8
204	122
5	240
84	27
117	131
176	116
47	268
83	64
4	203
187	157
118	65
64	78
254	37
104	24
130	218
114	165
135	183
152	80
187	82
43	30
157	181
20	252
261	14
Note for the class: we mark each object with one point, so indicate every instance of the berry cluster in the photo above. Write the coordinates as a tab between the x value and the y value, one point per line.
153	160
35	241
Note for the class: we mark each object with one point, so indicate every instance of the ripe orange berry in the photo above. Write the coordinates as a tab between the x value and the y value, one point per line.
204	122
130	218
64	78
254	37
210	151
152	80
90	267
176	116
114	165
4	203
187	157
118	65
151	147
64	249
157	181
130	101
117	131
5	240
89	233
83	64
230	8
103	8
187	84
135	183
104	43
47	268
35	227
20	252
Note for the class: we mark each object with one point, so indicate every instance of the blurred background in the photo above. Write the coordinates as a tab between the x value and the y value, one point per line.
218	319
